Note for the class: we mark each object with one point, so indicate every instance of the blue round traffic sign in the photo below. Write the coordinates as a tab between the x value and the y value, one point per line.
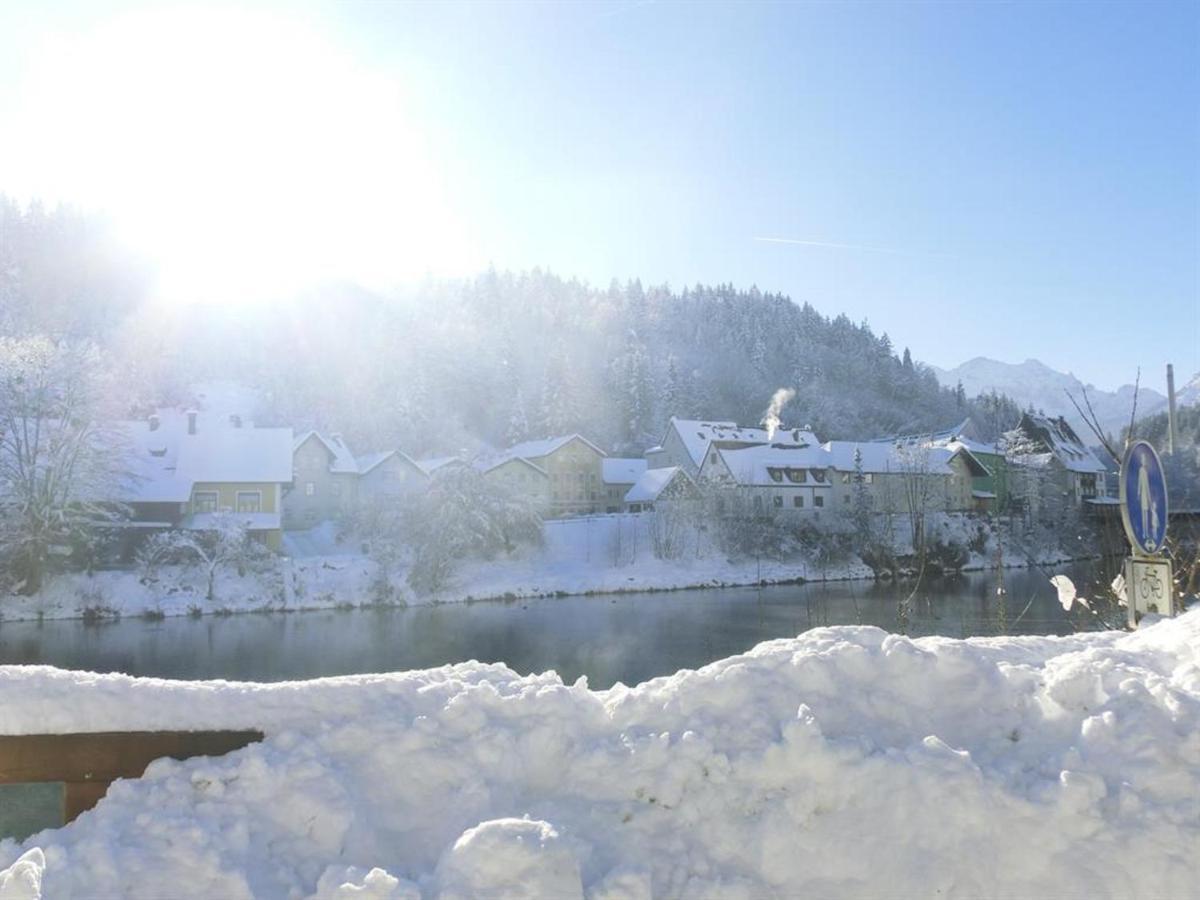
1144	499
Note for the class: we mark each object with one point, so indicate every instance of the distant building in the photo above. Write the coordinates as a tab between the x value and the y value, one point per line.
686	441
618	475
184	468
659	486
331	482
1074	471
519	476
888	469
572	465
772	478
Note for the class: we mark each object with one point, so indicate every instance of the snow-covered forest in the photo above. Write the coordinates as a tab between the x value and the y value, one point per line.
446	365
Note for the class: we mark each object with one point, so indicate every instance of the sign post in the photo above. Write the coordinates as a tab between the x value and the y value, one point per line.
1148	583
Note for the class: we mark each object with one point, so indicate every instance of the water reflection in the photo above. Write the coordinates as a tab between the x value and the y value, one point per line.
628	637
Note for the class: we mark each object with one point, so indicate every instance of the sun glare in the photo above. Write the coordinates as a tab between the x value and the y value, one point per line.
244	154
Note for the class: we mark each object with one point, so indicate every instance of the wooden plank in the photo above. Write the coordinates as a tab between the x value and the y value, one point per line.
106	756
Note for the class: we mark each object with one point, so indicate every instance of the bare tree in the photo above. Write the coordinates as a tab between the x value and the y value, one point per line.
224	544
917	484
59	462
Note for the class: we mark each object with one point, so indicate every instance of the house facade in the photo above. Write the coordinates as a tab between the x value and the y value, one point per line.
522	477
187	472
618	475
942	479
771	479
655	487
330	482
573	465
1072	470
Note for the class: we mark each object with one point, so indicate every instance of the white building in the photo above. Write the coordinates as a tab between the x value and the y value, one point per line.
686	441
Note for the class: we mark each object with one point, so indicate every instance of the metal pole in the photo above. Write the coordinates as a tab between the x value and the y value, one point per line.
1171	418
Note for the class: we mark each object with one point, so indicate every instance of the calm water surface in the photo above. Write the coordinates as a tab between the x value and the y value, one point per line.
627	637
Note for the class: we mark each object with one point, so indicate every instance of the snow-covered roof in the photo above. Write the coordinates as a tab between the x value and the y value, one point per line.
544	447
983	495
432	464
621	470
878	457
341	459
651	483
753	465
237	454
1060	439
487	465
162	464
963	443
697	434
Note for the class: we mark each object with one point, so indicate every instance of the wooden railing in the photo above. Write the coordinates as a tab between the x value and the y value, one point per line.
87	764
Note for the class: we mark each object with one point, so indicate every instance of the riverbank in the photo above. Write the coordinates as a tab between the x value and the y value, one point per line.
1048	767
595	555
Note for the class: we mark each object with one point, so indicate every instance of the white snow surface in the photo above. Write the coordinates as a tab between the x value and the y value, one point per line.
846	762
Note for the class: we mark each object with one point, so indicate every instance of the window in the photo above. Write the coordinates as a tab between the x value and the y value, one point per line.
818	476
868	477
777	502
309	489
798	502
846	499
796	476
758	503
845	478
249	501
818	501
776	474
204	501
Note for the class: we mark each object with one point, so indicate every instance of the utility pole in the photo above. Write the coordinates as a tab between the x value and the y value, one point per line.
1171	421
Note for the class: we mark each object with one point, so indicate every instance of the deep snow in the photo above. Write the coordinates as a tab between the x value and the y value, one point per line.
846	762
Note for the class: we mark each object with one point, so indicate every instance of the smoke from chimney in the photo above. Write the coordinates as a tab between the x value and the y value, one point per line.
771	417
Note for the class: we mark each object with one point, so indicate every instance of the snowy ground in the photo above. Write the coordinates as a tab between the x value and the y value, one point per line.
844	763
597	554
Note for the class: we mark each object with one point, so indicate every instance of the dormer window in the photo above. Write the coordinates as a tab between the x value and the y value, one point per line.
818	476
796	476
776	474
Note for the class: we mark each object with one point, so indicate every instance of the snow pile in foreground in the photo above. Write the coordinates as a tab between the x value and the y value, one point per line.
844	763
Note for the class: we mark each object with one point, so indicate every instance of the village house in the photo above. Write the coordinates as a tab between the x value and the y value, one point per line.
686	441
946	475
1050	453
659	486
184	469
619	475
330	482
771	479
573	465
521	477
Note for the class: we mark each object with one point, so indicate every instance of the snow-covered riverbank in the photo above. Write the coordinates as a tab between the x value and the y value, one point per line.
843	763
600	554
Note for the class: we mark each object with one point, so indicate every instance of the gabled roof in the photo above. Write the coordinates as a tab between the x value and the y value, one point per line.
621	470
752	465
697	434
545	446
429	466
485	466
1060	439
341	460
163	464
880	458
652	482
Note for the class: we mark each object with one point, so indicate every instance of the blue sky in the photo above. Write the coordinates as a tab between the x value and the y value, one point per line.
1003	179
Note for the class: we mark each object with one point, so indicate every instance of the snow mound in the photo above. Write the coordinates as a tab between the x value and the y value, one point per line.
846	762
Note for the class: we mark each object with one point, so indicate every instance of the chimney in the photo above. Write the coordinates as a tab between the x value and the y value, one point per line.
336	437
191	417
154	421
1172	419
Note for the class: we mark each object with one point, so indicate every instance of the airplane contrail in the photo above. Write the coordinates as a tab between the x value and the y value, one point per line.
835	246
